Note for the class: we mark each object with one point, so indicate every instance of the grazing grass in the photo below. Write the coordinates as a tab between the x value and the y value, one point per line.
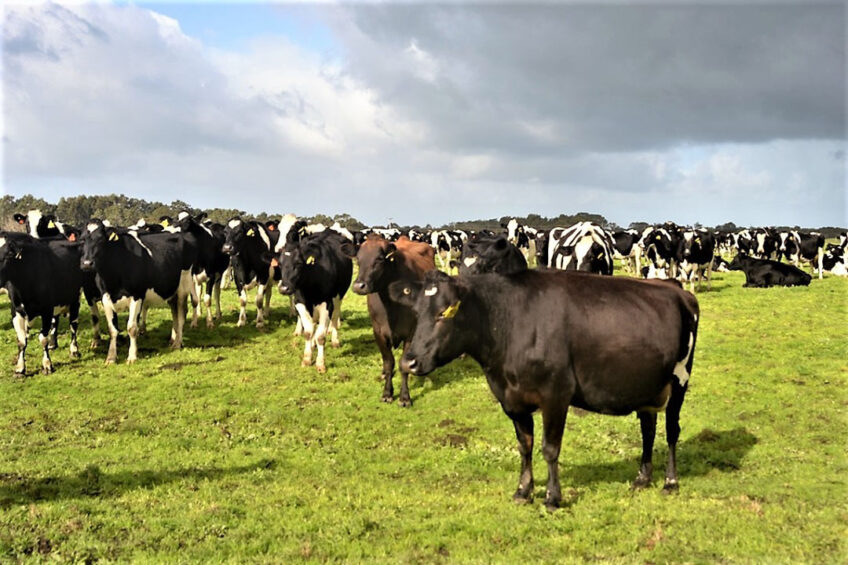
229	451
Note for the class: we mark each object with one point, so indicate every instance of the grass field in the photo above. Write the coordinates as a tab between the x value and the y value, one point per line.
229	451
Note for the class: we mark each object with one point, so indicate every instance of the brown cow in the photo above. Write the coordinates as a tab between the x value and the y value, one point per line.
381	263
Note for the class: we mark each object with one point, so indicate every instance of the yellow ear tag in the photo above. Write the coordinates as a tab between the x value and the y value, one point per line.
390	256
250	232
310	260
451	310
659	237
50	224
113	236
697	240
164	223
600	255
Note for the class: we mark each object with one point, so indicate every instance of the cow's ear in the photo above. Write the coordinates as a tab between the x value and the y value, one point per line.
390	252
501	244
350	249
503	225
72	236
20	218
405	292
200	217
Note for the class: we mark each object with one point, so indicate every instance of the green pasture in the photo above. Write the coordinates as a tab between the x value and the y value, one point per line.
229	451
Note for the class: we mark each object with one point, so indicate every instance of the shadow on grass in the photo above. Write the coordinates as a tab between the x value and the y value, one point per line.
708	451
92	482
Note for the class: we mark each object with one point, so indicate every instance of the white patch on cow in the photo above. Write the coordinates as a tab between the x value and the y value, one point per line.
469	261
344	232
134	235
287	253
234	223
511	228
583	248
33	217
680	370
431	291
182	215
264	235
92	227
688	235
2	241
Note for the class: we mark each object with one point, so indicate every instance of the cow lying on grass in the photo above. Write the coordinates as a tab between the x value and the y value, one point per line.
765	272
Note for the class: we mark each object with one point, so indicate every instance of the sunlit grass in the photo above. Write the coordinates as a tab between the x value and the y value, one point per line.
229	450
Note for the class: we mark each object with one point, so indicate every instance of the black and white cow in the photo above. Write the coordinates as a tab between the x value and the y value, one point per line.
317	273
765	243
582	247
761	273
811	250
42	277
490	254
720	265
46	225
694	257
835	261
208	266
549	340
521	236
247	242
626	247
447	244
659	247
743	242
139	269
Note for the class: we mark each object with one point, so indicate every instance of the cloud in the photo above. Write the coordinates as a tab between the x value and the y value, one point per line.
433	113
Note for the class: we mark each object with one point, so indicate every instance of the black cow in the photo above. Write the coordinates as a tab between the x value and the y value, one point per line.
490	254
548	340
316	272
763	273
143	269
381	263
247	243
42	277
209	264
694	257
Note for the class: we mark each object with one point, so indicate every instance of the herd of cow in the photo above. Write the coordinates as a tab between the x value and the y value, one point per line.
546	338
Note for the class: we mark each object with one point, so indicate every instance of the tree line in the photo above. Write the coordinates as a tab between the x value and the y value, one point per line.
123	211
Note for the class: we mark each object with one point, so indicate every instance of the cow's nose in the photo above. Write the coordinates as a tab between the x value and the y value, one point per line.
359	286
227	248
86	264
408	365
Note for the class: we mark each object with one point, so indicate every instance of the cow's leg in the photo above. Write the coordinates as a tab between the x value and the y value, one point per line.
21	325
44	339
404	400
112	325
95	324
323	316
336	321
648	423
216	294
196	292
142	324
388	365
269	290
242	319
73	318
260	296
524	434
136	306
820	261
54	330
207	302
308	331
178	315
553	420
672	430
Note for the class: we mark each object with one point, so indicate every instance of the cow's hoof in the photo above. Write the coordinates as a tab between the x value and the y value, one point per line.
335	345
210	325
640	482
671	487
110	361
20	374
73	355
47	370
321	368
193	325
306	362
405	402
176	346
95	343
241	324
387	398
130	361
523	496
260	325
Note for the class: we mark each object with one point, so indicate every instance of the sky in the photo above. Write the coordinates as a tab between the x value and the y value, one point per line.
428	113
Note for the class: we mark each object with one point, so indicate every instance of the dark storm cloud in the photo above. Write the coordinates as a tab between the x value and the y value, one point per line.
549	78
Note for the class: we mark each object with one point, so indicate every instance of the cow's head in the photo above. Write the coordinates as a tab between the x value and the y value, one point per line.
376	256
95	239
10	250
236	235
440	336
481	254
294	259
